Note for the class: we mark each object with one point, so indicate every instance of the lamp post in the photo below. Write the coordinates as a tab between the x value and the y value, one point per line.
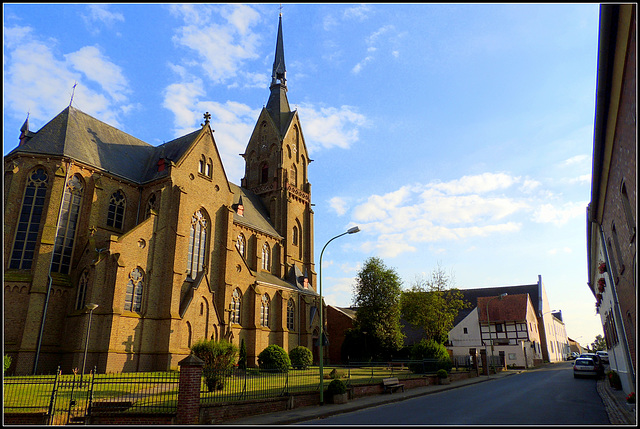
349	231
502	295
90	308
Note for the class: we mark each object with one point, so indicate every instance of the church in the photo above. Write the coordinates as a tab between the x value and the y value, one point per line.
121	255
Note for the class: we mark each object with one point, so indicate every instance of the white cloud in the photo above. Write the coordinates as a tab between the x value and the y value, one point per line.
359	13
327	127
556	251
578	159
339	205
547	213
98	14
40	82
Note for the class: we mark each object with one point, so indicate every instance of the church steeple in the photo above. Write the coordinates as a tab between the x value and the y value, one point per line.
278	104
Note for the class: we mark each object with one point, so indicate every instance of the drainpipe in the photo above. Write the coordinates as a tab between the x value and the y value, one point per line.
616	304
46	301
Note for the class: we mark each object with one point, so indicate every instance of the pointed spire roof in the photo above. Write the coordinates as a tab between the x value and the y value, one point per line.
278	105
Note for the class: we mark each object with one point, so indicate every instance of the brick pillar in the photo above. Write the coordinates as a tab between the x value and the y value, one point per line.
189	390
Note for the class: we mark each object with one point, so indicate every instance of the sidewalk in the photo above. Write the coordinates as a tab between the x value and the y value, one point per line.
614	400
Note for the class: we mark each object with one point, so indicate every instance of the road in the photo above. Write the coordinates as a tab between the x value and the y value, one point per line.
546	396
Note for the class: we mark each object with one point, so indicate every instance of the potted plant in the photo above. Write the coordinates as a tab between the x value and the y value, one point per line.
631	398
337	391
602	267
443	376
614	380
601	284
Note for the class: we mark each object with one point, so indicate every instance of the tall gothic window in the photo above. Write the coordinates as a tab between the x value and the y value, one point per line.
628	212
264	311
266	254
82	289
236	300
115	215
294	240
197	244
29	223
152	204
133	295
291	312
241	245
264	176
65	235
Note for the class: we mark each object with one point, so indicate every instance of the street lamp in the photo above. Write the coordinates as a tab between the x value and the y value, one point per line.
90	308
502	295
349	231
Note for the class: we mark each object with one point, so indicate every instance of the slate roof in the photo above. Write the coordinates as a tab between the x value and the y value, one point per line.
255	214
77	135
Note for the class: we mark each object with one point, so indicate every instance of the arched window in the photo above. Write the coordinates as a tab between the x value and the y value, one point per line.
115	215
82	289
291	312
208	171
152	204
293	176
619	257
264	310
133	294
66	232
197	244
294	233
264	176
201	165
236	300
26	238
266	254
241	245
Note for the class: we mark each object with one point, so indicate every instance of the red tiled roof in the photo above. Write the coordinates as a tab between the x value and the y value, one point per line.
508	309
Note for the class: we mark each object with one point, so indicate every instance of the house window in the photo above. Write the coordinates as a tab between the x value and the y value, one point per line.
197	244
499	327
616	243
291	308
208	170
82	290
465	330
115	215
201	165
265	256
628	212
264	311
26	238
133	294
236	299
240	245
66	232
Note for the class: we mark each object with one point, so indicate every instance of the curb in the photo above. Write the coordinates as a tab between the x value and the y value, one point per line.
618	414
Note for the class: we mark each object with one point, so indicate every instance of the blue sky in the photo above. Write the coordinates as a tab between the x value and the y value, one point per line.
451	134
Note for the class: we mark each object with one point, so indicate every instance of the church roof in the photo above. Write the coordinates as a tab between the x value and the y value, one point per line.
77	135
255	214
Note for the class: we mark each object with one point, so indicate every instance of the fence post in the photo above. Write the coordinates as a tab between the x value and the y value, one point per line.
188	412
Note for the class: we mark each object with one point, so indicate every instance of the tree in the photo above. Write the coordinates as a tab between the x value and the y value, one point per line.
219	358
433	303
377	298
598	344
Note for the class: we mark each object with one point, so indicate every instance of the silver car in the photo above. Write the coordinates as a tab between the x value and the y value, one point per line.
604	356
584	367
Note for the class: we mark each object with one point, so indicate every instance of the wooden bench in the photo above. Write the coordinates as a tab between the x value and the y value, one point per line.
392	383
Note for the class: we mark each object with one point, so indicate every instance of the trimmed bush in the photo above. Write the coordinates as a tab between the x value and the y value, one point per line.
275	358
301	357
242	359
7	363
336	387
219	358
434	355
442	373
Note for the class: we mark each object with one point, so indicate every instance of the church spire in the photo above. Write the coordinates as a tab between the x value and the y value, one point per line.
278	105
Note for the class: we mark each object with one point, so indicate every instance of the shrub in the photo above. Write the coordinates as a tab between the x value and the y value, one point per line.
614	380
242	359
7	363
442	373
337	387
337	373
435	353
274	357
301	357
219	358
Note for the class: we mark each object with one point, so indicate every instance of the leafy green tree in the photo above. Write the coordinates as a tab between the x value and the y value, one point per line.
219	358
377	298
433	303
598	344
7	363
242	359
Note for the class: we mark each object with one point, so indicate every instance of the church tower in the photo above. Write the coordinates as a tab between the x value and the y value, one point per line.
276	169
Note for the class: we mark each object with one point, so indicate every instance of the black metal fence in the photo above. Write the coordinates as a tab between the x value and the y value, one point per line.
30	394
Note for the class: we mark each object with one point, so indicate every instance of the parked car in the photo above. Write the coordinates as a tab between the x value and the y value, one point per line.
603	355
585	367
596	359
573	355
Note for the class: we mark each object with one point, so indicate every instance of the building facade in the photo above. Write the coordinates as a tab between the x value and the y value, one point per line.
611	214
169	250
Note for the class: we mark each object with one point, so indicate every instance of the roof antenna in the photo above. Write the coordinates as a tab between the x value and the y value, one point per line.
73	92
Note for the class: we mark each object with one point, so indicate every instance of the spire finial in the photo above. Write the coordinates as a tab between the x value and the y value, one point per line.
280	10
207	117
